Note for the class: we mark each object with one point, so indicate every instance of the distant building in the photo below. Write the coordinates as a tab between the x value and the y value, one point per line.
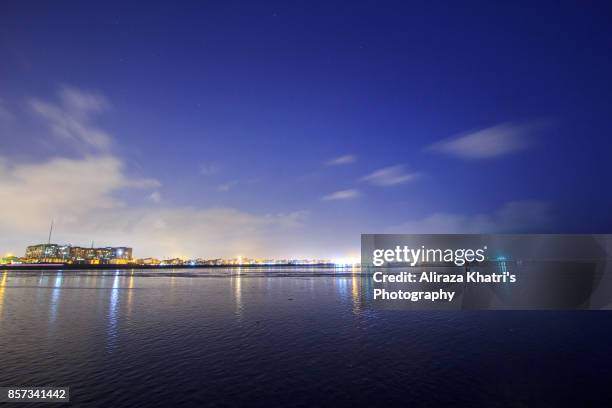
173	261
79	253
74	254
10	259
48	252
105	254
148	261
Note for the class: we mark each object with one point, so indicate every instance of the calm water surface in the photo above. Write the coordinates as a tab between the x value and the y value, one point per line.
285	337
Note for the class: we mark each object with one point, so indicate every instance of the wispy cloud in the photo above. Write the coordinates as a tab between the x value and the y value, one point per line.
5	113
154	197
208	169
342	160
225	187
32	193
515	216
494	141
390	176
71	118
342	195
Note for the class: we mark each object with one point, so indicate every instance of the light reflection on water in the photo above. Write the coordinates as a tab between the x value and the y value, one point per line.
237	290
262	337
113	311
55	296
2	285
130	294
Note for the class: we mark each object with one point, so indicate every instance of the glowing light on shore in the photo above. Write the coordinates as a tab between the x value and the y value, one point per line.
349	260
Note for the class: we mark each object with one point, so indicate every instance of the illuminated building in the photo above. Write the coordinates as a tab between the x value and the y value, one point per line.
75	254
174	261
10	259
48	252
148	261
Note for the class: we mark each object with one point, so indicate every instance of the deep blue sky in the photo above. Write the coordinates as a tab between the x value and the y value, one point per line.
263	94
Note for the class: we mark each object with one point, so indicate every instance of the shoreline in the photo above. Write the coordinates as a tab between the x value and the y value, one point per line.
17	267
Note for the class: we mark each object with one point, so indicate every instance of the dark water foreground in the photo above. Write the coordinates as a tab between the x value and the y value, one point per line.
294	337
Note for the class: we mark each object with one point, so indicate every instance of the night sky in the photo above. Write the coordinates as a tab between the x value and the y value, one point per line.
286	129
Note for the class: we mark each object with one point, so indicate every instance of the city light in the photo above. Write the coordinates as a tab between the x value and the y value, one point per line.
351	260
55	254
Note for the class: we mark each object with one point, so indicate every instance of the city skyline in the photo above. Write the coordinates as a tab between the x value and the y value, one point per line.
51	242
52	253
286	132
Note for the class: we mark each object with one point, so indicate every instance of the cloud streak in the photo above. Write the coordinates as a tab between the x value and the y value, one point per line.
491	142
342	195
342	160
513	217
71	118
390	176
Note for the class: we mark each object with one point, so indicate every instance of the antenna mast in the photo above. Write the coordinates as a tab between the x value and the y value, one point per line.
50	232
